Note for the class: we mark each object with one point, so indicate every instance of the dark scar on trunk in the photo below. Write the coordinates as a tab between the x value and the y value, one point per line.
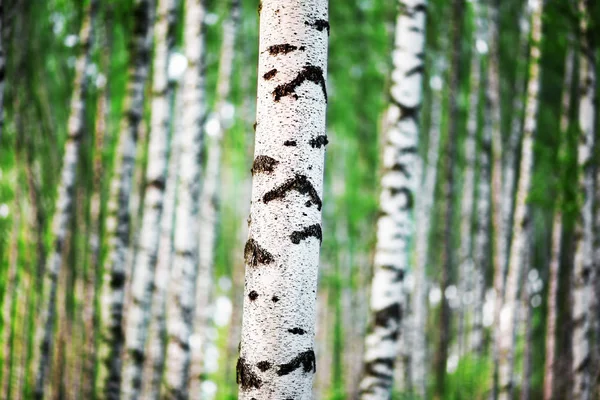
269	75
399	272
370	369
319	141
299	183
245	377
263	164
297	331
309	231
253	295
319	25
263	366
309	73
407	193
306	360
254	254
282	49
275	299
289	143
389	318
259	7
254	126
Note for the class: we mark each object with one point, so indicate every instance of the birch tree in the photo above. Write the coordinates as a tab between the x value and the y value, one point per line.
145	260
399	182
64	204
277	359
557	228
585	275
118	229
2	66
520	240
181	296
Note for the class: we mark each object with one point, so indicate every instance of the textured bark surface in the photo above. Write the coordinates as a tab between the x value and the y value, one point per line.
210	200
145	259
520	239
466	271
277	359
399	182
557	227
64	206
585	273
118	224
181	297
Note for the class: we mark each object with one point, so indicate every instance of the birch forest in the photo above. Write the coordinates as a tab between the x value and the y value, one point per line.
299	199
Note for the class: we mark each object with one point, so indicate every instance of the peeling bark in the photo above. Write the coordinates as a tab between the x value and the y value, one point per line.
64	206
291	106
395	227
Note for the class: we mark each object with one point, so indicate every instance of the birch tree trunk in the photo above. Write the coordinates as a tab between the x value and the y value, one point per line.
181	296
520	240
277	359
115	274
210	197
449	188
419	356
156	346
585	274
2	66
395	227
557	227
466	258
64	205
142	283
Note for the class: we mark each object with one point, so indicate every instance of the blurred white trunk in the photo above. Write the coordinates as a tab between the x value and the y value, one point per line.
64	206
395	227
520	239
585	272
277	359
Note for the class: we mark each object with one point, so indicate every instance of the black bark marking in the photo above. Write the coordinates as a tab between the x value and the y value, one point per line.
309	231
263	164
399	167
310	73
117	279
411	11
297	331
253	295
399	272
419	69
319	25
389	318
281	49
384	380
306	360
254	254
264	366
269	75
407	194
254	126
245	377
290	143
319	141
259	7
299	183
157	183
275	299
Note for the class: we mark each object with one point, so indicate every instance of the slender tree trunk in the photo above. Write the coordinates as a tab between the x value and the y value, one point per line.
153	200
210	200
481	252
181	296
2	65
584	271
400	178
467	271
520	239
277	359
64	206
527	322
557	227
419	357
449	188
108	379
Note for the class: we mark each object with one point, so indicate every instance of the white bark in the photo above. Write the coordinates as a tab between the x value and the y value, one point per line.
554	268
108	379
181	296
64	206
466	271
520	240
277	359
210	197
395	228
585	274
